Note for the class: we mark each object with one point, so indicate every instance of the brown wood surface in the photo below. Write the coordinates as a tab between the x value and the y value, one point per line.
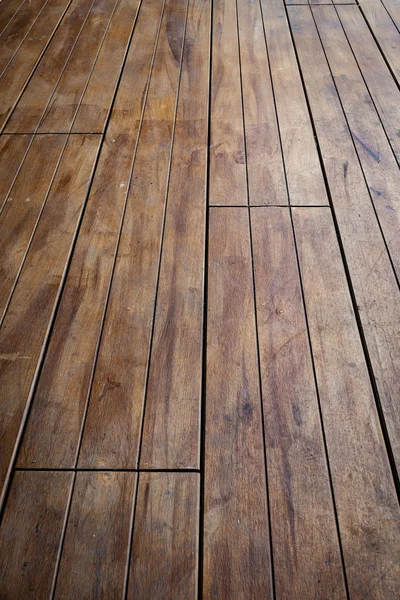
164	560
171	429
373	279
236	531
307	560
369	528
12	153
8	12
25	327
31	532
93	560
53	431
112	430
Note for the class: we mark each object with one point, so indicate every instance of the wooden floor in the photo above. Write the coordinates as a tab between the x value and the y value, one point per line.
199	299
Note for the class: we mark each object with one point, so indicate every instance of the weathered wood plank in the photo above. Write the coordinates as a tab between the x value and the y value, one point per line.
371	272
12	153
367	507
94	554
165	537
30	533
22	212
29	315
227	160
266	177
172	413
303	169
52	435
236	532
112	430
8	12
307	561
96	102
30	108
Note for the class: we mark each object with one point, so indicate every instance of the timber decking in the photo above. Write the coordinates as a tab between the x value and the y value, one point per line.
199	299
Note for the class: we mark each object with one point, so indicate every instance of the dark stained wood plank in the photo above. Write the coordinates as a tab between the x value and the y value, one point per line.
236	532
8	12
368	511
30	108
172	413
30	533
227	154
29	315
21	213
381	85
59	114
12	153
17	30
303	169
385	32
376	156
96	102
15	77
111	436
165	537
94	554
307	561
375	286
266	177
53	430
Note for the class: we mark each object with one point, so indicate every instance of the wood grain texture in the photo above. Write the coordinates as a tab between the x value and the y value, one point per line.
60	112
373	279
165	537
23	209
374	151
172	414
94	554
368	512
38	92
236	532
307	561
112	429
266	177
53	430
14	78
26	325
381	85
8	12
31	532
12	153
96	102
303	169
227	153
393	8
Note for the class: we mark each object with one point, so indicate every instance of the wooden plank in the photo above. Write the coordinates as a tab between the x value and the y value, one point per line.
227	154
371	272
17	30
172	413
384	31
26	325
393	8
374	151
367	507
94	555
13	80
303	169
12	153
8	12
96	102
381	85
30	533
236	532
112	430
52	435
266	177
21	213
30	108
165	538
307	561
60	112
